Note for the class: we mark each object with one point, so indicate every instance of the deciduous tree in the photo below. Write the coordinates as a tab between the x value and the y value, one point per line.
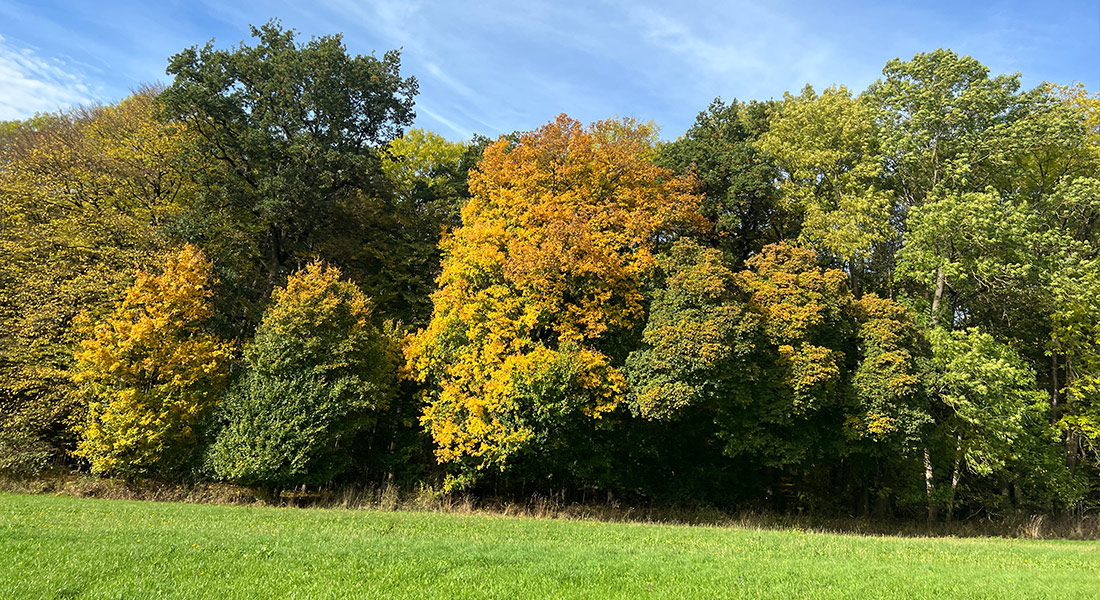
827	147
151	372
538	283
319	372
82	195
740	200
294	132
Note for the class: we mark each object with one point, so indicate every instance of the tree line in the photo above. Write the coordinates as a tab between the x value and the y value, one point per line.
876	302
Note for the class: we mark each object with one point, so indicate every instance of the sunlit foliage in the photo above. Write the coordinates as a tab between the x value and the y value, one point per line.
546	270
82	196
318	373
151	372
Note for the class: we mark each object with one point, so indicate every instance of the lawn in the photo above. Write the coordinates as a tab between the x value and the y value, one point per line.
60	547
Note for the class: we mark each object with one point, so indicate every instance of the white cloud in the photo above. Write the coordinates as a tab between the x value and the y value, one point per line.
699	52
463	133
31	83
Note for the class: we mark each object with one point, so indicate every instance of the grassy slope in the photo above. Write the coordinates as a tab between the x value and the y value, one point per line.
55	547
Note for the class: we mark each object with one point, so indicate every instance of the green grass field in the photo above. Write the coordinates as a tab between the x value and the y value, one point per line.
59	547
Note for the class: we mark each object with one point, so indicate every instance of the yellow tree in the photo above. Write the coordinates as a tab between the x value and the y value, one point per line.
546	269
82	195
151	372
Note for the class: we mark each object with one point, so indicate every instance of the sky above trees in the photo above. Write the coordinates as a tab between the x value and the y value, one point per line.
496	67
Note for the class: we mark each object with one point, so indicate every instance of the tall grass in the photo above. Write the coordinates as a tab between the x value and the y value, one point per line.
1073	526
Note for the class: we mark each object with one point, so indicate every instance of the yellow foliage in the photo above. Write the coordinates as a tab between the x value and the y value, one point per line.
887	380
82	197
880	424
1088	107
791	293
808	367
554	247
151	373
108	158
312	298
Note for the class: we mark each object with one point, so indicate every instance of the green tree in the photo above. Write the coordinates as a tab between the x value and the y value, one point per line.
888	379
827	148
1057	140
1063	173
787	363
1075	338
991	399
294	133
428	176
765	348
781	407
945	124
698	332
998	220
945	131
319	372
971	253
889	421
737	182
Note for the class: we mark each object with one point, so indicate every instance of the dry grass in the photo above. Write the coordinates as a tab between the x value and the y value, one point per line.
1073	526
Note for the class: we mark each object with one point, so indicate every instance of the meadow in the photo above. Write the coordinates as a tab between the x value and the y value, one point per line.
61	547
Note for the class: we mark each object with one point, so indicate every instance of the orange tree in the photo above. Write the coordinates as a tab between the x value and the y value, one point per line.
538	284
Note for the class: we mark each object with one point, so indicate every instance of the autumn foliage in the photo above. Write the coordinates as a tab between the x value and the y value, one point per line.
83	195
548	266
151	372
840	302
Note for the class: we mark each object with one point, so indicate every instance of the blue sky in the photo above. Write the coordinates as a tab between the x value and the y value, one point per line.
495	67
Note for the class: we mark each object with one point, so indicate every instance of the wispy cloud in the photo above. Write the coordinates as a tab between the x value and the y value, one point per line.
462	132
33	83
724	56
494	66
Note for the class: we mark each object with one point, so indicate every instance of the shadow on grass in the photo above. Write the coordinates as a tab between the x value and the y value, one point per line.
1076	526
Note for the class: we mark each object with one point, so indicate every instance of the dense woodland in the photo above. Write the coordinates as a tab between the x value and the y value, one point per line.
880	302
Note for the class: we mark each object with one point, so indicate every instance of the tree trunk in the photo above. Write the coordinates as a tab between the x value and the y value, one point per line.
274	255
928	487
1071	436
853	278
1053	386
1071	451
389	452
956	472
941	279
